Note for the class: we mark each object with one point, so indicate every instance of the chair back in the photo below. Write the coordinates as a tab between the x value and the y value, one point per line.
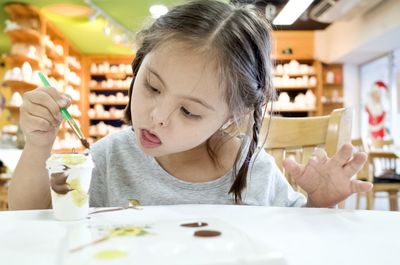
300	136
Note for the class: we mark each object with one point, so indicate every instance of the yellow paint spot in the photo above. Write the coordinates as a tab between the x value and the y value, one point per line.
73	160
128	231
79	196
111	254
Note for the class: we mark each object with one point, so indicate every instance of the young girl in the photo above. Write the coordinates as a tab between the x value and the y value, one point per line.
199	68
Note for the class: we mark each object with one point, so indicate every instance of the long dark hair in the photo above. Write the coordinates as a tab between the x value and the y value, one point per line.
240	40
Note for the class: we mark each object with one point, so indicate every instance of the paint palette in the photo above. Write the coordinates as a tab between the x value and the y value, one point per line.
168	241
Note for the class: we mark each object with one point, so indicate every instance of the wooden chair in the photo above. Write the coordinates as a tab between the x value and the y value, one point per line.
300	136
380	170
3	194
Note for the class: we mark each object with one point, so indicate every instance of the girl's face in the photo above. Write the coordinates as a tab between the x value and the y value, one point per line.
177	101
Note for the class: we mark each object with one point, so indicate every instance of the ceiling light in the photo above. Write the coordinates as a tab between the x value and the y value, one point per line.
157	11
107	30
291	11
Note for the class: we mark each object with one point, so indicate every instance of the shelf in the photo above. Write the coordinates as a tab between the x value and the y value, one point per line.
73	84
332	103
105	119
108	89
24	35
20	59
12	108
110	75
295	75
110	103
56	75
74	68
21	85
294	110
20	10
332	84
53	55
97	135
294	87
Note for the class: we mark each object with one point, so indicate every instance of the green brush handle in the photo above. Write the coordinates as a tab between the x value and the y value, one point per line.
64	111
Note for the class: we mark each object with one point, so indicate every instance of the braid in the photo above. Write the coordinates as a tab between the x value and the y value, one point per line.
240	181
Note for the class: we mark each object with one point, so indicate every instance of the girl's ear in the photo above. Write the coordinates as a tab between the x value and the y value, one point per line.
227	124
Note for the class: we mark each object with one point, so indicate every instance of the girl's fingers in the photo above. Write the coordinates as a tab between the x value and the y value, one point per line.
360	186
292	167
320	155
45	100
34	123
40	112
343	155
355	164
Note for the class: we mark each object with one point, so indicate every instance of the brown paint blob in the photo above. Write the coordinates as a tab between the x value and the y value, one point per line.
196	224
85	143
207	233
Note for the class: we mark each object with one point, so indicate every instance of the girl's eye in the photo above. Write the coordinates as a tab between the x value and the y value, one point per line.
188	114
151	88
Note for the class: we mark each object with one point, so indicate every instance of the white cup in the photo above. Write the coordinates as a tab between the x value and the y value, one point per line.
74	205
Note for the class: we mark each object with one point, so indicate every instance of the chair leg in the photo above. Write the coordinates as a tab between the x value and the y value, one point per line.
358	197
393	200
341	204
370	200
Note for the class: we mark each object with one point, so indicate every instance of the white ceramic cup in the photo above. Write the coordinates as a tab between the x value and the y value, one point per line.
73	205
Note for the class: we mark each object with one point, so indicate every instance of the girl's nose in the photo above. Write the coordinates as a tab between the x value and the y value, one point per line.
161	116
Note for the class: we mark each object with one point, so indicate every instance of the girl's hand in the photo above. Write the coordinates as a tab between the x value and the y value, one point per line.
40	115
328	181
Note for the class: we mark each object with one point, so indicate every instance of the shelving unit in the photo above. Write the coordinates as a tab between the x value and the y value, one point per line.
36	37
332	87
100	70
294	81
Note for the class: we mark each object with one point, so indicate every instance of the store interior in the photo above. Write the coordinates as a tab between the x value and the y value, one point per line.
345	54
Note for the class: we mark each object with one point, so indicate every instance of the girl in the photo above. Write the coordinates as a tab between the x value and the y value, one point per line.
199	68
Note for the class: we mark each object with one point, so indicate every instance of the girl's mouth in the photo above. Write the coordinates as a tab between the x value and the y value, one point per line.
148	139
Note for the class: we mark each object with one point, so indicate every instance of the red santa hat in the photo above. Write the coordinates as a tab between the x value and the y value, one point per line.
381	84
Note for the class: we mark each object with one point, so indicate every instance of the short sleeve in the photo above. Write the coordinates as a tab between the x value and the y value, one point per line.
98	186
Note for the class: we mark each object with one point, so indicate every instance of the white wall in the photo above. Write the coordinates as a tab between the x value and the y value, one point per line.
363	38
351	92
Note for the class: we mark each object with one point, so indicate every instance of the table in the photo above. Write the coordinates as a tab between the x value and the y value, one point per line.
303	236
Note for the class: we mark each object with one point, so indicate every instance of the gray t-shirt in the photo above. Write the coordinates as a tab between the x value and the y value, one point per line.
123	172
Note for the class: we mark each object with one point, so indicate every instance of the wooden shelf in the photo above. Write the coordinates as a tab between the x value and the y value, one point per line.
24	35
109	89
12	108
111	75
97	135
19	59
73	84
20	85
53	55
332	103
106	119
56	75
295	75
294	110
20	10
332	84
74	68
294	87
110	103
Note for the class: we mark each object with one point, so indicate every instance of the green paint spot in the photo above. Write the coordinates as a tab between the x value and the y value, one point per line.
128	231
109	254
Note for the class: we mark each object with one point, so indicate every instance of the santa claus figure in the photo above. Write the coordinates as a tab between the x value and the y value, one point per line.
376	110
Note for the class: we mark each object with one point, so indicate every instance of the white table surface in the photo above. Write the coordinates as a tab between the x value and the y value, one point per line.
304	236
